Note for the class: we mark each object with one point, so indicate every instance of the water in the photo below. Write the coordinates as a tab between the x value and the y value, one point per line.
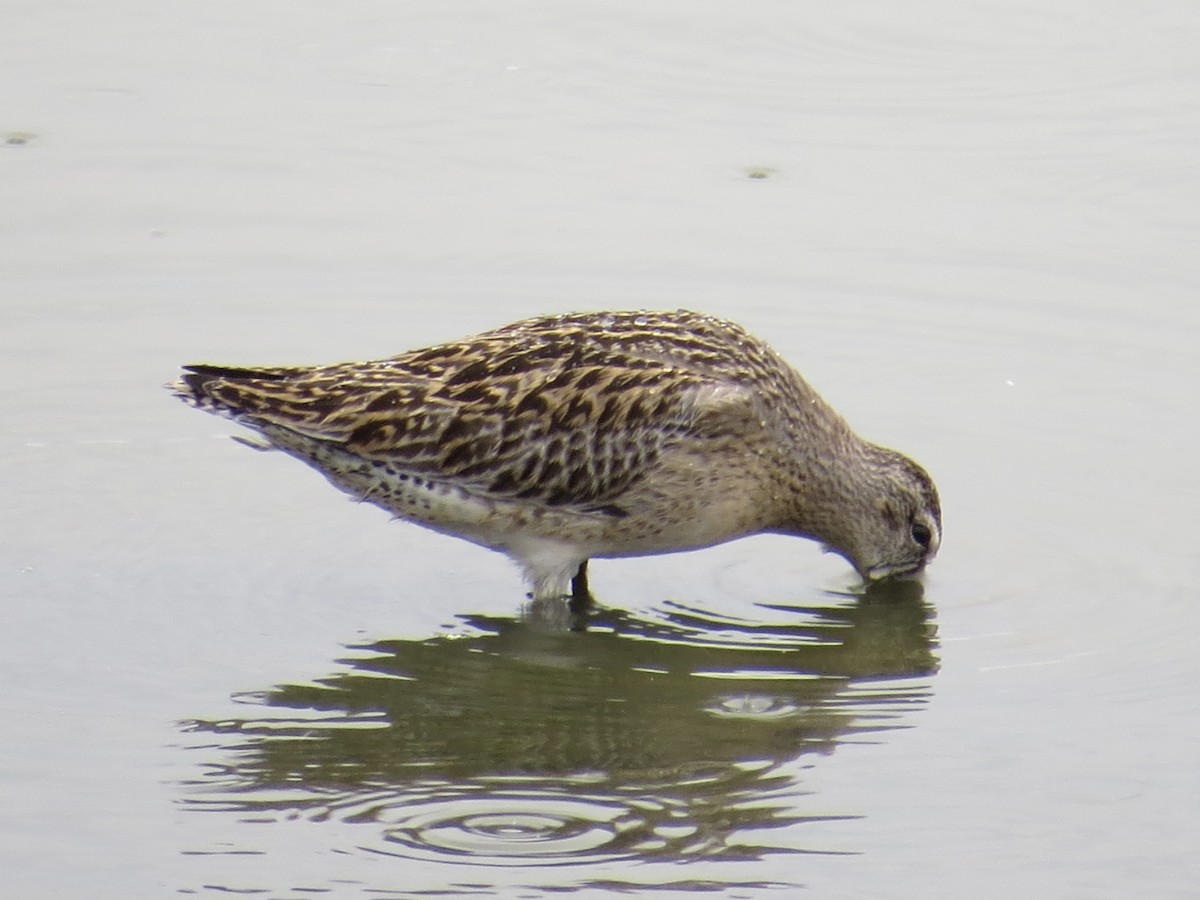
972	228
504	744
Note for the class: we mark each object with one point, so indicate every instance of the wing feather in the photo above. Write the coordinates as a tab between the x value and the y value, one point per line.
538	410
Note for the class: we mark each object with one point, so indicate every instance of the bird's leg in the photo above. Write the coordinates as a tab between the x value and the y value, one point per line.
581	597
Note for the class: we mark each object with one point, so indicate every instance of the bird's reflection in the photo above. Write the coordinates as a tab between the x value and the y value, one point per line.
505	741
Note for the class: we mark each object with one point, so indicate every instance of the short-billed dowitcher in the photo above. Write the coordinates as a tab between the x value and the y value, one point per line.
605	434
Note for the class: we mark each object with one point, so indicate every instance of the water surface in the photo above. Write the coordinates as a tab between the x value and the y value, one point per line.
972	228
504	743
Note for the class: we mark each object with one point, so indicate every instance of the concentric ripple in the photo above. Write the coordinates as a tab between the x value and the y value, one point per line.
508	830
752	706
530	825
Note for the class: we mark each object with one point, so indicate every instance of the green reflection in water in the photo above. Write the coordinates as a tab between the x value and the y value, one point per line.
508	742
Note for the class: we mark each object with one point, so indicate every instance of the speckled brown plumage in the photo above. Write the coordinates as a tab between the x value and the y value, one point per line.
603	434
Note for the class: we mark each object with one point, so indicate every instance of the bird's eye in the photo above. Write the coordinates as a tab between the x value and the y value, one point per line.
921	534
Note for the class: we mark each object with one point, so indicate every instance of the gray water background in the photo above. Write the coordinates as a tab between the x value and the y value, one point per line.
972	227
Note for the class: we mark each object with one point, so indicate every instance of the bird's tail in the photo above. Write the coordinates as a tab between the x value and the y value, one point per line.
196	386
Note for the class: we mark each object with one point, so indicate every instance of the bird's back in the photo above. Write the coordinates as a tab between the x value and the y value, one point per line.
564	410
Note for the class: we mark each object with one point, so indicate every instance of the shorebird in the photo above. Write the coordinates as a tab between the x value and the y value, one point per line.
607	434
